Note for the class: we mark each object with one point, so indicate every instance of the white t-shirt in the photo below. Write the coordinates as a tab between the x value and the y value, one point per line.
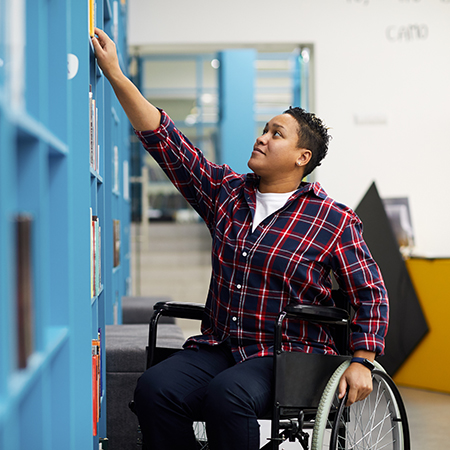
266	204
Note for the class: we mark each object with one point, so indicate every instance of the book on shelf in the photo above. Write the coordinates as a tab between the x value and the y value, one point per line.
99	258
94	396
92	16
116	168
115	25
126	181
116	242
24	288
91	127
95	247
101	363
15	20
97	145
94	147
91	258
97	382
95	393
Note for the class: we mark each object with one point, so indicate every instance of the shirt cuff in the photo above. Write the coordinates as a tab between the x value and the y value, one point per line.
152	137
369	342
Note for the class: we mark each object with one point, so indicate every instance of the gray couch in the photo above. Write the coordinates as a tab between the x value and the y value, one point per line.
125	361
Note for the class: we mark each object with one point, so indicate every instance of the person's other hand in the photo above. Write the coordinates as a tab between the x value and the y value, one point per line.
358	380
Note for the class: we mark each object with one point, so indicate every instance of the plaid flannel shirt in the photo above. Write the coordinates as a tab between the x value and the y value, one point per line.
287	259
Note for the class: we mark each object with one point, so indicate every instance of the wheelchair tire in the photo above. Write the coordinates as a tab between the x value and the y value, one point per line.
378	422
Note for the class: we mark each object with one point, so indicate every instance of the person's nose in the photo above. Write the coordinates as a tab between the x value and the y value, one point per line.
262	139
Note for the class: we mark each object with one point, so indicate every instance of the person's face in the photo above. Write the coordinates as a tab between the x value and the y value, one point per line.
276	153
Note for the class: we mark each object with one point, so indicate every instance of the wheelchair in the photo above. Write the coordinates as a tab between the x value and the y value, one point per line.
306	408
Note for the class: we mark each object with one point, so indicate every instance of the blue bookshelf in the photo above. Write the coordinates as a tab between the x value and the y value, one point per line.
48	191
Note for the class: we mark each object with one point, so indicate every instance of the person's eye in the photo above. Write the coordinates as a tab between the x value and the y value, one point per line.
277	133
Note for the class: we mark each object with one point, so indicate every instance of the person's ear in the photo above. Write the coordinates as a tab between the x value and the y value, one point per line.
304	157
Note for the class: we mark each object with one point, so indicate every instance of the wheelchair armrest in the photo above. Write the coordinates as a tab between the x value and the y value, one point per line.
180	309
329	315
323	314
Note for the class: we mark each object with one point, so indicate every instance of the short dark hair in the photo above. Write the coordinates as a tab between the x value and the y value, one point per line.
313	135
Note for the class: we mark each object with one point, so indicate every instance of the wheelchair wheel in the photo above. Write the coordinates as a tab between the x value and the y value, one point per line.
378	422
200	435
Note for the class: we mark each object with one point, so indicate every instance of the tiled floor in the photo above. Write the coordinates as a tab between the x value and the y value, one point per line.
170	259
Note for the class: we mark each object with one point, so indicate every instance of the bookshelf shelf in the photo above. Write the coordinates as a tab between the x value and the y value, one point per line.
95	175
55	200
22	381
94	300
30	126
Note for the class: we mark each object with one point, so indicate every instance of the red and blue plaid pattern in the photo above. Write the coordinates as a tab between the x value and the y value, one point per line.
287	259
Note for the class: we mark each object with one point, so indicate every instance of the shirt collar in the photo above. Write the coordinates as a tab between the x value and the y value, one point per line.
252	182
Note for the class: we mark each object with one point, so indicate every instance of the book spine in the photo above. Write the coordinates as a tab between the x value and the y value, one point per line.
100	256
116	243
116	169
91	23
91	128
94	395
101	363
97	257
24	278
96	381
94	132
115	26
97	145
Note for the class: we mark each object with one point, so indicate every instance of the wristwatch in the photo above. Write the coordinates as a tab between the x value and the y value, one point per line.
365	362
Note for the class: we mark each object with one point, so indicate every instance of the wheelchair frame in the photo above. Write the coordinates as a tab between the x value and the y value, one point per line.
296	409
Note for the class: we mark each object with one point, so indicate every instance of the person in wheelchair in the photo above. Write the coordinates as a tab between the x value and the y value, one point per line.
275	241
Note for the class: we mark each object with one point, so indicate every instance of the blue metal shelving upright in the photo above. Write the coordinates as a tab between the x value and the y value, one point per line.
45	175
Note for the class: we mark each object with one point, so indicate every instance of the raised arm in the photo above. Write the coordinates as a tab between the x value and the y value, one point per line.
141	113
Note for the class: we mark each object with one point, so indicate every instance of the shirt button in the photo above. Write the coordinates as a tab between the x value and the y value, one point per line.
239	286
244	253
234	318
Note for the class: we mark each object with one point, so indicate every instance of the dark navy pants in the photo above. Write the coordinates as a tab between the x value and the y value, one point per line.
204	383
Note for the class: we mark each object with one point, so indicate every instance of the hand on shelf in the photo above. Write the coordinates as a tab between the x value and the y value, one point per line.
106	54
141	113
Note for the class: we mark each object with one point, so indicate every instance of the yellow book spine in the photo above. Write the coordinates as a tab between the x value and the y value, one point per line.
91	17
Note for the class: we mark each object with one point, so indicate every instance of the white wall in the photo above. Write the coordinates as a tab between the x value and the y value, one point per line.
360	71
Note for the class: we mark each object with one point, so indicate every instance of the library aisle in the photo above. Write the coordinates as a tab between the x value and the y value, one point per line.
175	262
